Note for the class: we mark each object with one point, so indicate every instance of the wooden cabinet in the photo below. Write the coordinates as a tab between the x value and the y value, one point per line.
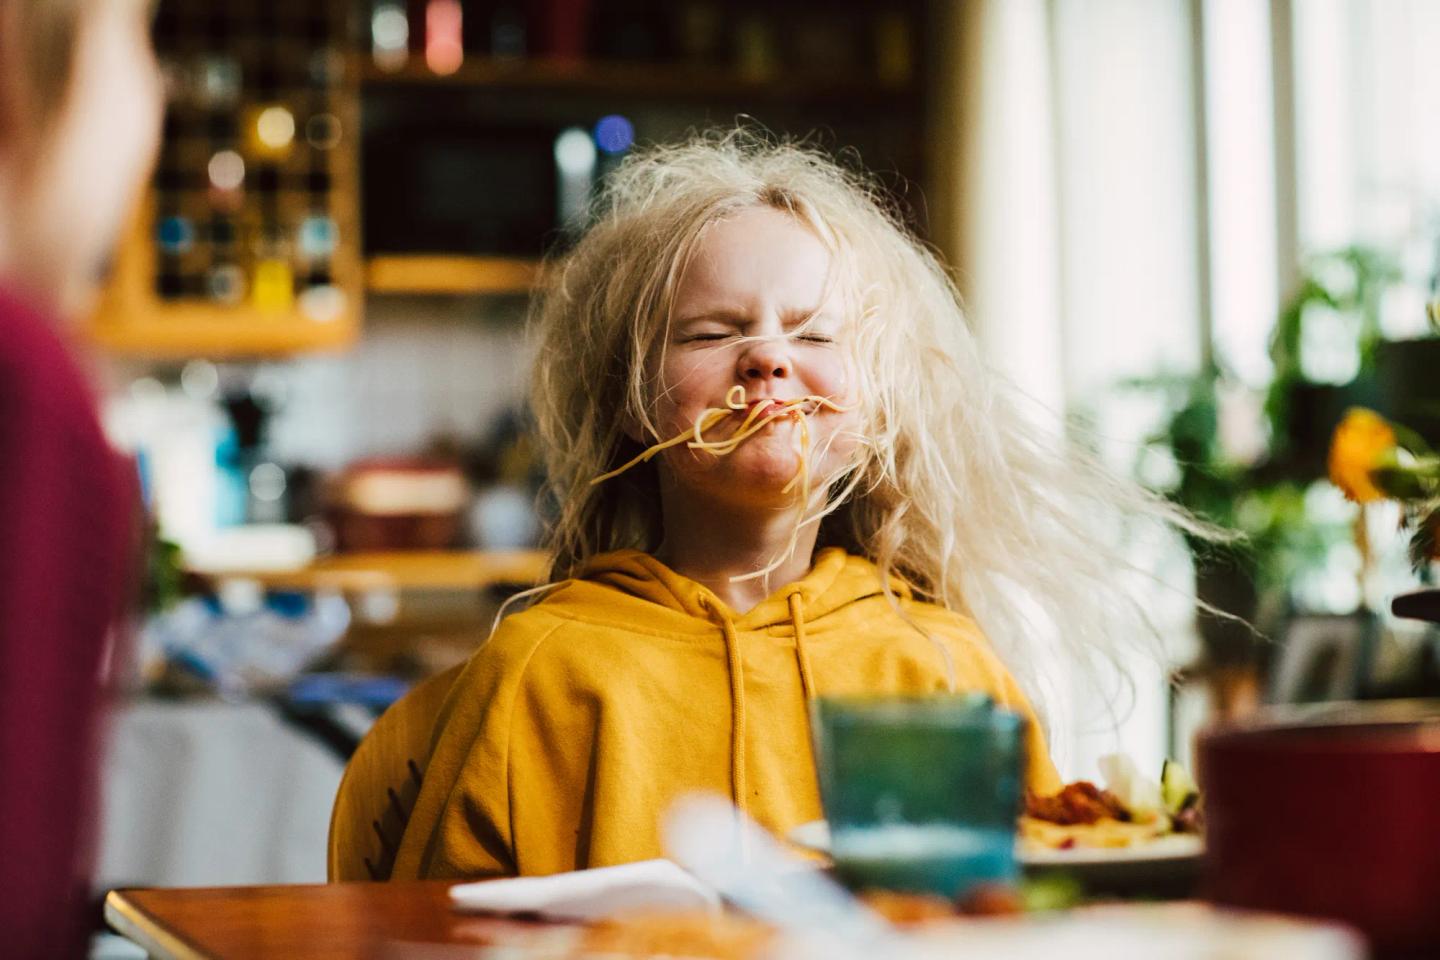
133	320
179	288
247	242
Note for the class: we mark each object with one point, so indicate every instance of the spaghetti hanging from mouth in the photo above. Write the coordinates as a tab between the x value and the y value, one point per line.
754	422
760	415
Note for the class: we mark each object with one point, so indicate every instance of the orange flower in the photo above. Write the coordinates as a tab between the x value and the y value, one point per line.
1363	441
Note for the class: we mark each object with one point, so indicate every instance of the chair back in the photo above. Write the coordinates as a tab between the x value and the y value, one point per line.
381	781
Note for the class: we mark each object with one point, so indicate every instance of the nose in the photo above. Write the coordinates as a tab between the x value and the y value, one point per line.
764	360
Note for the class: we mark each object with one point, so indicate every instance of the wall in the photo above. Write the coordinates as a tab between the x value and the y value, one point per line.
425	367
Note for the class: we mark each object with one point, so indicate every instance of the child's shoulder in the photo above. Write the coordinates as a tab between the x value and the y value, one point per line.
967	642
945	623
978	666
520	634
554	631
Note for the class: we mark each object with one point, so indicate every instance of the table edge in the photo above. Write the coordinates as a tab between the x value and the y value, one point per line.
132	922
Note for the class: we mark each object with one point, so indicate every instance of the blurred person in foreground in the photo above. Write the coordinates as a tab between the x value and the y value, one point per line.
80	107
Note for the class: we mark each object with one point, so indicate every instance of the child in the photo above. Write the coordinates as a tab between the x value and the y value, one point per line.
782	471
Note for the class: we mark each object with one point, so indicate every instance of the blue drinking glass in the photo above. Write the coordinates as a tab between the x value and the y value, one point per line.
921	793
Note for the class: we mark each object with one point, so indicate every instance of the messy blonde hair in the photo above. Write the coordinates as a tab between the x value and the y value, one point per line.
954	489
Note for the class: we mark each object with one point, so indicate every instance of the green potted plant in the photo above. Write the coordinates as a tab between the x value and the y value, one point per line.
1244	587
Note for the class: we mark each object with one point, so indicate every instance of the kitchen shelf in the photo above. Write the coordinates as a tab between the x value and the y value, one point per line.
131	320
197	330
406	570
674	81
426	273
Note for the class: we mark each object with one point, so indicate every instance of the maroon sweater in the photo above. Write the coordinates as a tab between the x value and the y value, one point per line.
66	541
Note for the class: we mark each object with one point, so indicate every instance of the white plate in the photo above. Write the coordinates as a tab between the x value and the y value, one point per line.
813	836
1176	846
1161	863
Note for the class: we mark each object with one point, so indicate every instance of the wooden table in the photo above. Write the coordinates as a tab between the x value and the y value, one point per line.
311	922
413	921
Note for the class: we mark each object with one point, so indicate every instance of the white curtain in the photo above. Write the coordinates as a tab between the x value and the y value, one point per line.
1135	183
1367	119
1075	235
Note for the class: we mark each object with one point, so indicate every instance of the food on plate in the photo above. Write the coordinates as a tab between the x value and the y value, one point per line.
1130	811
1137	793
711	935
919	909
685	933
1182	798
908	909
1078	802
1106	832
992	900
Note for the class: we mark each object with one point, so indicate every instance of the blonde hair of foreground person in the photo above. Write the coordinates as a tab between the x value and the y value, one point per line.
80	109
952	488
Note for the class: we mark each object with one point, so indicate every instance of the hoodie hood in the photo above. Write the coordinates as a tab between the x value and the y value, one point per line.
836	580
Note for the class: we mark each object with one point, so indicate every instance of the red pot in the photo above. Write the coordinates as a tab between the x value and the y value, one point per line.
1330	812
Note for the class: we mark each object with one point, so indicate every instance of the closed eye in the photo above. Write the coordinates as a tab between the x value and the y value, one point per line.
815	338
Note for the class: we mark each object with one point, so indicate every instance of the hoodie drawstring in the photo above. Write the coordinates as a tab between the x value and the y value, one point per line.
736	666
802	659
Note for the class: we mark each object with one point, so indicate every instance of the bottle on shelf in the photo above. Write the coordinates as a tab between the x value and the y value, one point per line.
389	35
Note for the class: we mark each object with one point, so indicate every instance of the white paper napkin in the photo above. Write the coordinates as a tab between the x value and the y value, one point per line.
590	894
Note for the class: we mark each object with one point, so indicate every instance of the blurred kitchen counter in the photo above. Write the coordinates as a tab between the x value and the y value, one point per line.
407	570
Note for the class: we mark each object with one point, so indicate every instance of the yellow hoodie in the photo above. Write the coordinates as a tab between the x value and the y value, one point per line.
571	731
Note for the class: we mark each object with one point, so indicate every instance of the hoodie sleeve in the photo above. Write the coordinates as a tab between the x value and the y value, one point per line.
461	825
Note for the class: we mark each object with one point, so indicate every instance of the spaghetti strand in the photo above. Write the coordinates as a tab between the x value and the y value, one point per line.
753	422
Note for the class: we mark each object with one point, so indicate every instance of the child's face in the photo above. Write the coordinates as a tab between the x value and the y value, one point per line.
758	274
